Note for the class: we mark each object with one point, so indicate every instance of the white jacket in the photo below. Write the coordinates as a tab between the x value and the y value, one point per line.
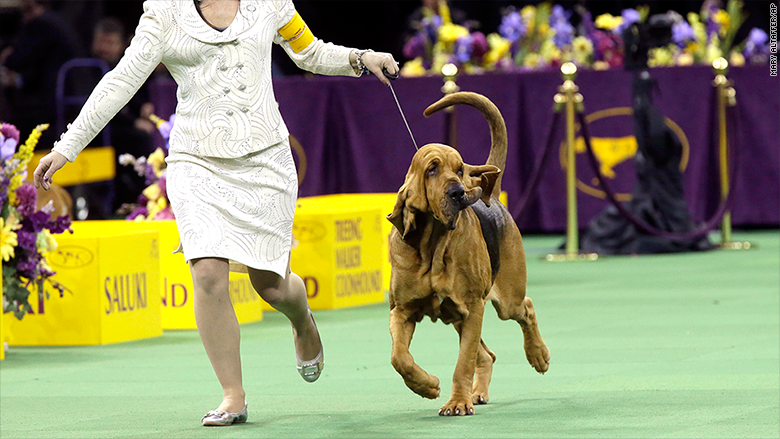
226	105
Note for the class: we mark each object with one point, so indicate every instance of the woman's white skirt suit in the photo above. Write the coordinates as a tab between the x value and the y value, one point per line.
231	178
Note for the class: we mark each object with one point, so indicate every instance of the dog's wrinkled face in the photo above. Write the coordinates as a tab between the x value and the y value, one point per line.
439	183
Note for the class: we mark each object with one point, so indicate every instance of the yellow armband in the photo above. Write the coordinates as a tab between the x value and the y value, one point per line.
297	33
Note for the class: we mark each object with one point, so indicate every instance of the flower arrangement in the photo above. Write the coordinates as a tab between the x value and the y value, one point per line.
26	233
439	41
543	36
153	202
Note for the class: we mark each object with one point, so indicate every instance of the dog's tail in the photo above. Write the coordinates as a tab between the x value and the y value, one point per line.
498	134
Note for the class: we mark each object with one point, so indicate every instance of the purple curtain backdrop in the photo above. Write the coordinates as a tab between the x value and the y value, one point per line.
355	140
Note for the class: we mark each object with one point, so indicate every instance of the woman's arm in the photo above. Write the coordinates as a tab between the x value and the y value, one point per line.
110	95
312	54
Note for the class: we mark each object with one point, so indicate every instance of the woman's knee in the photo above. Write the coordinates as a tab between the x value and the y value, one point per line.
269	285
209	275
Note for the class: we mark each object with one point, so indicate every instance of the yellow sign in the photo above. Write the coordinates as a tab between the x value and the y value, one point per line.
176	289
114	282
612	151
337	250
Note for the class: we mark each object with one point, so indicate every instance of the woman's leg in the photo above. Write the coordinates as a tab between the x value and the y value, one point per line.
218	328
288	296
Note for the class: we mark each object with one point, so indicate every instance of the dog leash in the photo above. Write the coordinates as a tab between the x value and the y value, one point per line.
394	77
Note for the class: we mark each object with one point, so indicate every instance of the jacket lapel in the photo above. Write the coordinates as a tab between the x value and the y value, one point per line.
188	18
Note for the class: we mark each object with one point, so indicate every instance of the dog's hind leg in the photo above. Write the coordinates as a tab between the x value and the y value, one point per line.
484	371
523	313
418	380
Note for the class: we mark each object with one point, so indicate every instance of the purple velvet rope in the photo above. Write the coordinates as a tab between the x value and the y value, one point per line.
536	176
701	231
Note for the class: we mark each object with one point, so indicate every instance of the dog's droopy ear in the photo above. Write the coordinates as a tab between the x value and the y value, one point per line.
402	216
484	176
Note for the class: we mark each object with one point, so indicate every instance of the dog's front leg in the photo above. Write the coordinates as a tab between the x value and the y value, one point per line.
470	332
401	330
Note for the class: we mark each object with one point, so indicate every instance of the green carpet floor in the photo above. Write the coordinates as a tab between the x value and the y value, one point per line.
642	347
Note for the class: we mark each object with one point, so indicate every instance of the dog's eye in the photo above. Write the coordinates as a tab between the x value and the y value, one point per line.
433	169
460	172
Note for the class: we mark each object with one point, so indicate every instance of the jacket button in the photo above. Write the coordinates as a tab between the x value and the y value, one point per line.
227	90
244	109
242	87
223	68
229	112
240	65
235	43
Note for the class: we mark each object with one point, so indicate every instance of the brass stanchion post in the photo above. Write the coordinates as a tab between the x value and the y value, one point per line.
726	97
450	72
569	100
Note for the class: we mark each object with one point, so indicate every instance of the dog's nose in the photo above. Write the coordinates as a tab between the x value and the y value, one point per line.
456	193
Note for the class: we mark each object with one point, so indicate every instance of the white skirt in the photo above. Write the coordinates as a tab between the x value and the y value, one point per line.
239	209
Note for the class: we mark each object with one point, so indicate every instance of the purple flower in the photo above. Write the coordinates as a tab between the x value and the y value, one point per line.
4	189
481	46
756	43
162	182
431	27
564	31
415	46
28	199
149	175
10	132
464	46
165	214
682	33
140	211
60	225
7	147
630	16
28	266
27	240
36	222
512	27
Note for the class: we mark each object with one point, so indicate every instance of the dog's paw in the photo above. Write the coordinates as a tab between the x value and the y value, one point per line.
479	398
457	407
538	356
429	389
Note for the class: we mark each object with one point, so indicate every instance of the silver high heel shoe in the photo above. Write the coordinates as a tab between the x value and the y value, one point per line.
310	370
218	418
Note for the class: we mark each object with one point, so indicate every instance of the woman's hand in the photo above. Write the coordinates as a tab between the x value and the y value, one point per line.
48	165
376	61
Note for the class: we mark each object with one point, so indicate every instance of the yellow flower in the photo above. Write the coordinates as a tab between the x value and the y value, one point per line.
528	14
448	33
157	160
608	22
722	18
7	240
499	48
25	152
444	11
685	59
659	57
46	242
737	59
549	52
413	68
16	182
531	60
583	49
713	50
152	192
600	65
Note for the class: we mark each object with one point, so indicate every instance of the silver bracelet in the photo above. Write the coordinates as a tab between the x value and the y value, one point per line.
359	61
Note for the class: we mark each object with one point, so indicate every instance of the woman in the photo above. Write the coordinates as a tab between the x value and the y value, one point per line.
231	177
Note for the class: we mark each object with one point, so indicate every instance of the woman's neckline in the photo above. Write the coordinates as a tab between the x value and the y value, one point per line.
216	28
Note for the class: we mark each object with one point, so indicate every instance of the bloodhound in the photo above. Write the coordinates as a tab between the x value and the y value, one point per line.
455	246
